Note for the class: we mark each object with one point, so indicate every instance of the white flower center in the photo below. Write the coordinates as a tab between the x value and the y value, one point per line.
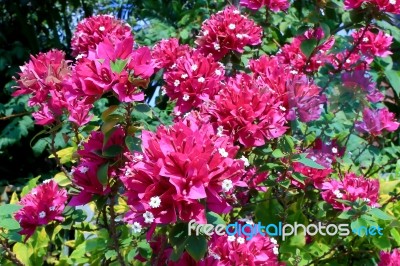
220	131
239	36
102	28
201	79
273	241
184	76
275	250
83	169
148	217
232	26
365	39
52	208
216	46
218	72
231	238
334	150
205	32
42	214
236	12
245	160
155	202
240	240
136	227
227	185
176	83
392	2
223	152
186	97
194	67
282	108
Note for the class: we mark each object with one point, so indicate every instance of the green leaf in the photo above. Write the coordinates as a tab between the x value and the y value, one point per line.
381	242
118	65
184	34
9	224
31	184
102	174
378	213
23	253
196	246
110	254
299	177
358	225
133	144
308	46
145	109
214	218
347	215
269	211
108	112
308	162
9	209
113	151
278	154
394	78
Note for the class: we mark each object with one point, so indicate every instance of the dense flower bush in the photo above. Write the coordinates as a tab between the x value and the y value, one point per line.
302	133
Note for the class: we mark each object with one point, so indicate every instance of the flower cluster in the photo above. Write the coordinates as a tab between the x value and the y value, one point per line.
193	79
389	259
166	52
351	188
247	110
375	121
182	165
227	31
359	81
42	78
42	205
96	153
373	44
391	6
274	5
93	30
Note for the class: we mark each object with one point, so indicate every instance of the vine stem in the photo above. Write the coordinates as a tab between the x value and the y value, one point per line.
113	231
54	153
10	255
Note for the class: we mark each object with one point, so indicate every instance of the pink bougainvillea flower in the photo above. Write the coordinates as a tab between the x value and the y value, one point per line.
292	54
236	250
324	154
389	258
372	44
375	121
194	80
93	30
227	31
166	52
351	188
359	80
351	4
181	165
42	78
41	205
274	5
299	95
391	6
247	110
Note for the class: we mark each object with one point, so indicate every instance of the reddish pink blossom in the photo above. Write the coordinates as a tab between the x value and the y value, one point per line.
42	78
391	6
227	31
372	44
390	258
166	52
351	188
351	4
274	5
181	164
42	205
324	154
236	250
292	54
375	121
247	110
358	80
194	80
353	62
300	96
91	31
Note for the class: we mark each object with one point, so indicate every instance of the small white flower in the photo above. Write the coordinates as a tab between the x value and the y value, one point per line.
178	113
83	169
176	83
184	76
334	150
216	46
231	238
42	214
313	158
155	202
138	157
227	185
318	61
392	2
273	241
232	26
239	36
236	12
328	160
245	160
173	66
102	28
367	200
220	131
240	240
201	79
338	194
294	72
205	32
215	256
52	208
79	56
186	97
218	72
282	108
275	250
136	227
223	152
163	91
365	39
148	217
348	61
46	181
194	67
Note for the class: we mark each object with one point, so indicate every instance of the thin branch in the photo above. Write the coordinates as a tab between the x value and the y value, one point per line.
113	231
9	254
